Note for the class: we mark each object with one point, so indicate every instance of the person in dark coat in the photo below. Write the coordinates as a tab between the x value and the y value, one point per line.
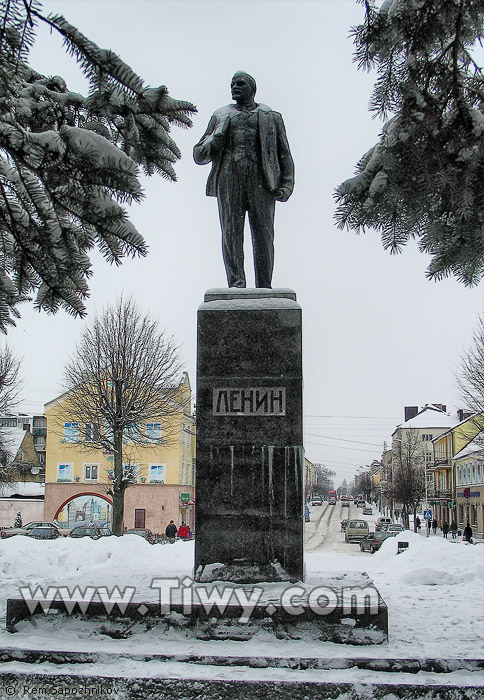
453	529
171	531
417	523
434	526
445	529
468	533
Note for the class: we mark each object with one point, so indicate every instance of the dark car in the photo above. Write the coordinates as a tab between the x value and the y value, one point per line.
91	531
142	532
44	532
373	541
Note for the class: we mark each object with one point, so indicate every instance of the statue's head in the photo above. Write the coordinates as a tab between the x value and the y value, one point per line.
243	87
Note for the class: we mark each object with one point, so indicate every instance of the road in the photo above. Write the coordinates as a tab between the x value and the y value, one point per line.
323	532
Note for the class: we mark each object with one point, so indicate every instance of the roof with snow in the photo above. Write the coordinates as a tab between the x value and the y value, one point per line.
430	417
473	447
24	489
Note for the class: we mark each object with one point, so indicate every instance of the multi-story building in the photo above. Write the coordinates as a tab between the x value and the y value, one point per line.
78	477
23	437
468	466
442	491
421	428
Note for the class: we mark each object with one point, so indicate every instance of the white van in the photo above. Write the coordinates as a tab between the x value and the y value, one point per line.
380	521
356	530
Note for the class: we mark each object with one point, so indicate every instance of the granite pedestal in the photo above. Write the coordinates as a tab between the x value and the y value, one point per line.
249	487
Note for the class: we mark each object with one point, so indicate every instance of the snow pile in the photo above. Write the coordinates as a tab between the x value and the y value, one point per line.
427	587
431	561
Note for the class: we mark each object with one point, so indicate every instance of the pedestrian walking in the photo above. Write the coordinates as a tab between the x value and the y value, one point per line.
445	529
171	531
434	526
184	531
453	529
417	524
468	533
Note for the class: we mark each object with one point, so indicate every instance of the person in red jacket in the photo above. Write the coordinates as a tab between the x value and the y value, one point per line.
184	531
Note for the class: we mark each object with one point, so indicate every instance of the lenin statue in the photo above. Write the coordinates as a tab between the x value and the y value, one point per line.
252	167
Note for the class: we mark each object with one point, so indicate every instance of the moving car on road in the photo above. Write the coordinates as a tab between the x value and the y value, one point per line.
356	530
367	510
395	527
380	521
373	541
317	500
345	504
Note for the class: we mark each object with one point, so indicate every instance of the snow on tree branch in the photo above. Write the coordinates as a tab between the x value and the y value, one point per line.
423	179
69	163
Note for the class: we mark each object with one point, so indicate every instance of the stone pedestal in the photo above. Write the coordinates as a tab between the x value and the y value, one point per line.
249	482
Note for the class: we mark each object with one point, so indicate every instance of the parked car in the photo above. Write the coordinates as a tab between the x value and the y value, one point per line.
380	521
25	529
356	530
367	510
343	525
316	501
44	532
142	532
373	541
91	531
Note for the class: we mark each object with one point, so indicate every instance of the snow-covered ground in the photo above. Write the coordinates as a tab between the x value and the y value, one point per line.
434	592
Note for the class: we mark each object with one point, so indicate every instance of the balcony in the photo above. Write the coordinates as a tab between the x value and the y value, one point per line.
439	494
439	464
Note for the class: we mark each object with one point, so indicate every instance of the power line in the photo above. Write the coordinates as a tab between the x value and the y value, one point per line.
329	437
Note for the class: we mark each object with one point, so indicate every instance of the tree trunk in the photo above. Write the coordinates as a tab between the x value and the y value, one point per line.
119	486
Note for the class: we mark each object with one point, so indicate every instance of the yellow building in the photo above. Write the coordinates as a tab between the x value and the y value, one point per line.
442	492
78	477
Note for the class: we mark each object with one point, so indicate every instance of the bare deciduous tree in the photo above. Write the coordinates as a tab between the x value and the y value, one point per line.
10	387
123	374
470	383
408	486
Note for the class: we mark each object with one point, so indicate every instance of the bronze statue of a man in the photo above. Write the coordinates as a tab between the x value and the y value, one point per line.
252	167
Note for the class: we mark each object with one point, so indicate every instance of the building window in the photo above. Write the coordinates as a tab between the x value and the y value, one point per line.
71	432
64	472
186	435
91	432
157	473
131	473
474	515
91	472
8	422
153	431
427	437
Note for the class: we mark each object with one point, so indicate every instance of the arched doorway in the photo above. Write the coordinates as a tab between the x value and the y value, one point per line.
88	507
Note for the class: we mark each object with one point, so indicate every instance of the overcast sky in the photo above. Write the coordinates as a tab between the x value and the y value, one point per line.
377	335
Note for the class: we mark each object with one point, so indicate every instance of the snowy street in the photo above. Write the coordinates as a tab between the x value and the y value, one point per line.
434	592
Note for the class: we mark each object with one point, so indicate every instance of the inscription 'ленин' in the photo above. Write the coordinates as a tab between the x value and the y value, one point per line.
251	401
